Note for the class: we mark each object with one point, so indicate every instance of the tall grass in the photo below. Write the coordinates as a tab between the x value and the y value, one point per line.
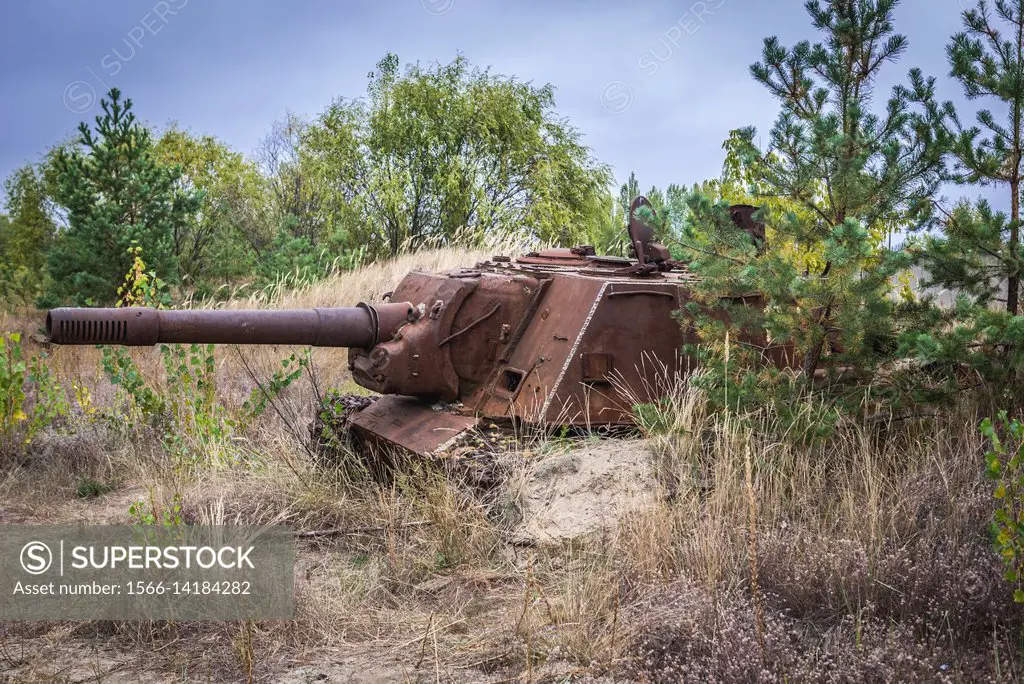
869	548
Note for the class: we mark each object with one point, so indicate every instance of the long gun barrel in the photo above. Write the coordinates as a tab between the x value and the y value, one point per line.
361	326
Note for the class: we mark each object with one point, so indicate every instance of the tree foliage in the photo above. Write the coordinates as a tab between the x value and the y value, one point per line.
220	243
439	154
302	204
25	235
847	174
117	195
987	58
978	254
450	151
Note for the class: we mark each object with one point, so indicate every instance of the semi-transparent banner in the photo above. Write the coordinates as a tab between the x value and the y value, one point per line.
146	572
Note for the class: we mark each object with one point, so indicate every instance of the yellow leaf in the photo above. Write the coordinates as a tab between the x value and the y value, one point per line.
19	416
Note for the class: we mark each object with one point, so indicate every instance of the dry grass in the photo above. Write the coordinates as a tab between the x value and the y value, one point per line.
872	559
368	283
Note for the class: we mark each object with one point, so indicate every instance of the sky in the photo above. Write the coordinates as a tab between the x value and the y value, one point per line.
653	85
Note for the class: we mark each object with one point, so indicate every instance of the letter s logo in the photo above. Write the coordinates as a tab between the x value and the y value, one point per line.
36	558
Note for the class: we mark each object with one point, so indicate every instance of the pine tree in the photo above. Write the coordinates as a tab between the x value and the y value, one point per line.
116	196
848	175
978	253
980	249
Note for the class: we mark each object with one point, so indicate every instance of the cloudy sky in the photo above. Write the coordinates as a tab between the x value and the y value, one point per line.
654	85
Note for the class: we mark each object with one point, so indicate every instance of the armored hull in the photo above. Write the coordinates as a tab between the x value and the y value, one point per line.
559	337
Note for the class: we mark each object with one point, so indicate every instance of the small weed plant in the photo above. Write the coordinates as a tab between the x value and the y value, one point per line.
30	398
1005	465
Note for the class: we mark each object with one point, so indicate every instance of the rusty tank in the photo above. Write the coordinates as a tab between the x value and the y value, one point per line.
558	337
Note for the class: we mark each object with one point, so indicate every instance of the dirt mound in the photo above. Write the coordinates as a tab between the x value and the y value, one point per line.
587	490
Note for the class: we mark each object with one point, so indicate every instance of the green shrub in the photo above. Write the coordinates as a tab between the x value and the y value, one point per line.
264	394
13	374
168	514
1005	465
49	400
30	398
199	430
89	488
144	403
294	261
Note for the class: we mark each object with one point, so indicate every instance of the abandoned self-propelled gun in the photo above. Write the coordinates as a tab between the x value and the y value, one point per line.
556	337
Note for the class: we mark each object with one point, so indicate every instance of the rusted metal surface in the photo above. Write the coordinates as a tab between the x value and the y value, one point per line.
743	216
410	424
360	326
558	336
414	362
641	236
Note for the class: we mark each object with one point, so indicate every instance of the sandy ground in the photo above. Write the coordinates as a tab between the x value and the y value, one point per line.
587	491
